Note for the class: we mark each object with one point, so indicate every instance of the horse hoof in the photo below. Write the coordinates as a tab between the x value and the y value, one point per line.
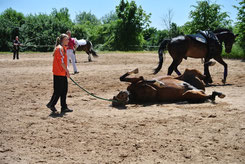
212	63
221	96
136	71
207	81
223	81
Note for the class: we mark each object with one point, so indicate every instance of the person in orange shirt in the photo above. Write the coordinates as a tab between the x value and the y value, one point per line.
60	75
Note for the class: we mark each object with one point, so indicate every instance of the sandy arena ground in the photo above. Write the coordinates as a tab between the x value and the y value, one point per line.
95	132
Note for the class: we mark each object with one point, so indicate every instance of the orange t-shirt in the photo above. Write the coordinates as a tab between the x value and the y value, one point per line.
59	57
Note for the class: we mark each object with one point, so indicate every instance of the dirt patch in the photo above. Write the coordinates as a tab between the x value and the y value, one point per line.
98	133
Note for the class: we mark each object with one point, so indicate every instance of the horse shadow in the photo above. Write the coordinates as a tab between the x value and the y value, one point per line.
148	104
119	107
176	103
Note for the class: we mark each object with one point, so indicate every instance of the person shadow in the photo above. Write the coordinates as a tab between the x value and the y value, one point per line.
56	114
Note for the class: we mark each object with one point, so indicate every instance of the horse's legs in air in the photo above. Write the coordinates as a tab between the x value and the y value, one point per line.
173	66
221	61
132	80
208	78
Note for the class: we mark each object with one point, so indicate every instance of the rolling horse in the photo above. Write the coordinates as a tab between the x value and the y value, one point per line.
87	46
164	89
206	44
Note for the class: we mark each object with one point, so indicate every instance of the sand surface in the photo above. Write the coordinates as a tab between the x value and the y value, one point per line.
95	132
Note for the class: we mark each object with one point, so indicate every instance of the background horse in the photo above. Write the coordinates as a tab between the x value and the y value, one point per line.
185	46
87	47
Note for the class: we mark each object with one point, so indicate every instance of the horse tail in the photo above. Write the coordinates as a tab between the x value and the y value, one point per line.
92	51
162	47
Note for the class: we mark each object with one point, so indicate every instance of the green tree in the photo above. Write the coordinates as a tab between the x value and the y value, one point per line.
154	37
174	30
108	18
87	18
62	15
10	22
40	31
80	31
149	35
89	27
129	26
207	16
240	24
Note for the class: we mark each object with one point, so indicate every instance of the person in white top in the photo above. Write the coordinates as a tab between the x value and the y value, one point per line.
70	52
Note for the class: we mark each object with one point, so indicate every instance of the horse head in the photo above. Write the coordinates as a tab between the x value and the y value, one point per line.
226	36
121	99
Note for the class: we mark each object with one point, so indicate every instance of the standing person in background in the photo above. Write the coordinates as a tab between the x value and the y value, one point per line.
70	52
60	73
16	47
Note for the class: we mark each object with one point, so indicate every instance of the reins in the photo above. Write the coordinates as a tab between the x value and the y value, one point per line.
91	94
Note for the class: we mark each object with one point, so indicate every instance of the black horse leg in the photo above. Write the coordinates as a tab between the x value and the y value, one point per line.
214	94
176	67
221	61
208	78
173	67
89	57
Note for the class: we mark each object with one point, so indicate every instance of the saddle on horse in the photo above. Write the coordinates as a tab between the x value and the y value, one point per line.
81	42
208	38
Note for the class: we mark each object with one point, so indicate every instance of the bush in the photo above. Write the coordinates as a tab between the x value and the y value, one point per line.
236	53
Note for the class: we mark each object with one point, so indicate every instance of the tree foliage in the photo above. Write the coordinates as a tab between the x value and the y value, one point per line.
207	16
10	21
126	28
154	37
87	18
108	18
240	25
40	31
129	26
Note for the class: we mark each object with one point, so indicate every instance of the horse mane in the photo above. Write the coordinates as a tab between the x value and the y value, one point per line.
222	30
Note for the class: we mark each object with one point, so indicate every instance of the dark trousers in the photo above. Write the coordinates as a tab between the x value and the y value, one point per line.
16	54
60	91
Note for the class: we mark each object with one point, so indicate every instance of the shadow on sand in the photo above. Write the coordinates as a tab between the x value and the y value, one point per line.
56	114
217	85
160	103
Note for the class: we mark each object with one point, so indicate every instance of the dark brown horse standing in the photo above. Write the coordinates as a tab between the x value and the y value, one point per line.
88	48
185	46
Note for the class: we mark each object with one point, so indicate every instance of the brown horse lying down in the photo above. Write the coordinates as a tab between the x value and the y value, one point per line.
187	87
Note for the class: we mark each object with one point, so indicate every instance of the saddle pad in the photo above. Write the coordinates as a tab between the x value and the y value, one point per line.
81	42
198	37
